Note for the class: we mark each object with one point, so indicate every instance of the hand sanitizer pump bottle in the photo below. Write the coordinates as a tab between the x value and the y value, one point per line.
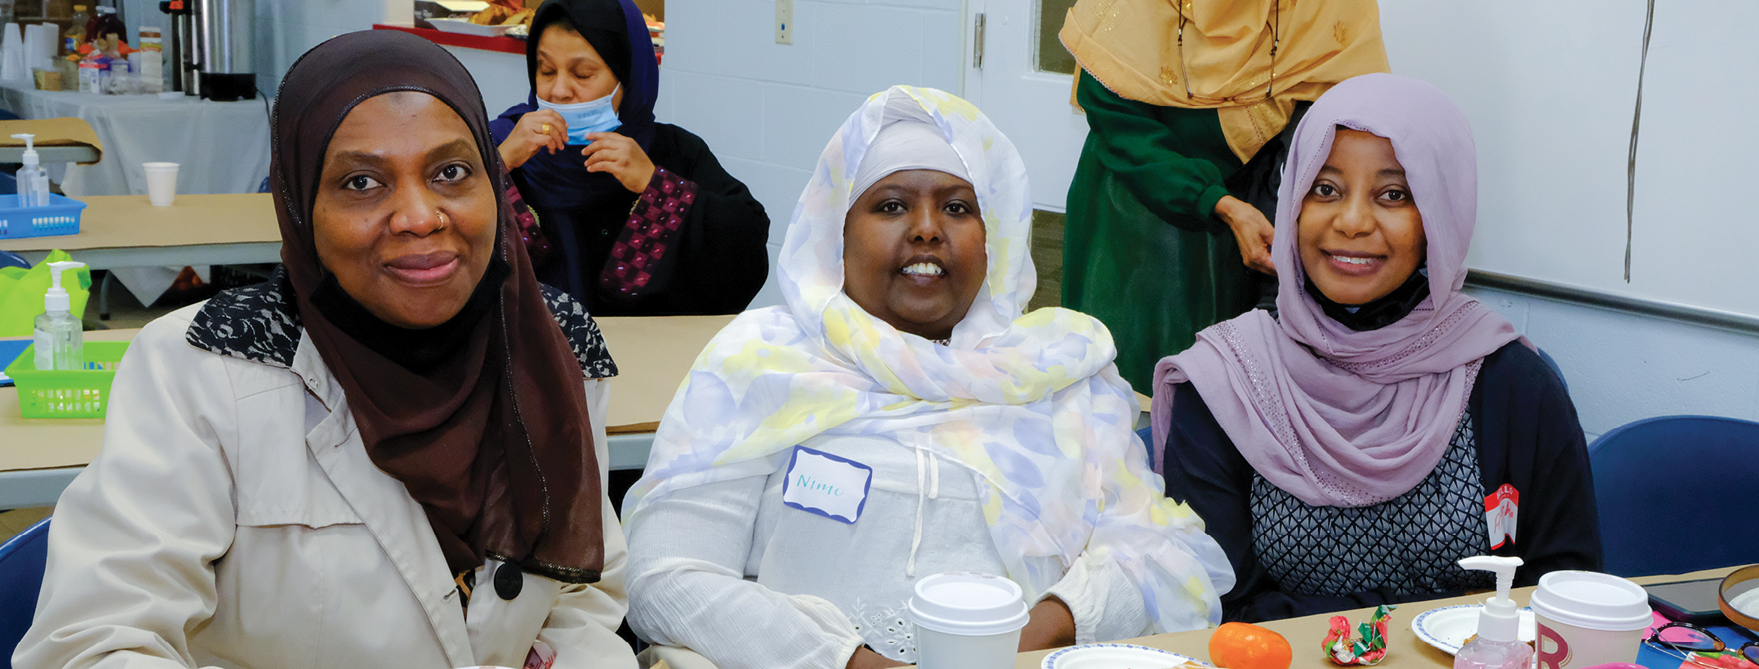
60	338
1498	644
33	180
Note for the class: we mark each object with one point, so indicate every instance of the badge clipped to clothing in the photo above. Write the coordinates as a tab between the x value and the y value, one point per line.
827	485
1499	514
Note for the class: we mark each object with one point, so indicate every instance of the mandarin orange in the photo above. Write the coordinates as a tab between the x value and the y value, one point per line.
1244	646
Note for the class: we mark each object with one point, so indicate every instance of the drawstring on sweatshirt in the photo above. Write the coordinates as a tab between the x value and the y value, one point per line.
932	489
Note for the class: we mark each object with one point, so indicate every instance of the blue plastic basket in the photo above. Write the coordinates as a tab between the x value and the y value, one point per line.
60	217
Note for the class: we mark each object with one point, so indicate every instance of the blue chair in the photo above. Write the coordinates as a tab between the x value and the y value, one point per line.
21	578
1559	371
1675	494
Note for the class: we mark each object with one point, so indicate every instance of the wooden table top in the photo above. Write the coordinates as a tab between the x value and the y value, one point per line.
1404	649
131	221
653	355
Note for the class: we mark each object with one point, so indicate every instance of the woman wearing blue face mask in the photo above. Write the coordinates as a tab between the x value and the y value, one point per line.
639	216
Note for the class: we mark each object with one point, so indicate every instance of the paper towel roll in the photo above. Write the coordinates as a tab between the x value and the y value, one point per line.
12	54
51	45
33	48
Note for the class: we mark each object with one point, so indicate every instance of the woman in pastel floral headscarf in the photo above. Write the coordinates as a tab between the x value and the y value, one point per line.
979	439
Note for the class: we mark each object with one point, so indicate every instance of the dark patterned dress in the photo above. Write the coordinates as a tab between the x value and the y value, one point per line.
1410	545
1291	559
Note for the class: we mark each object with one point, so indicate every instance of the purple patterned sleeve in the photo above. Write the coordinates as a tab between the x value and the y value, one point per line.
648	236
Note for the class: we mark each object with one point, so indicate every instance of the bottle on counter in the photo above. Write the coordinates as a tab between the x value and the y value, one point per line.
103	23
33	180
60	338
91	25
1498	643
152	68
91	74
77	29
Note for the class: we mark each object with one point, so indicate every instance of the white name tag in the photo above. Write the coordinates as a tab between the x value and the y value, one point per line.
827	485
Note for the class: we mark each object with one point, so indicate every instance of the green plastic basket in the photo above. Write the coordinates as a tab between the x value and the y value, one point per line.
63	394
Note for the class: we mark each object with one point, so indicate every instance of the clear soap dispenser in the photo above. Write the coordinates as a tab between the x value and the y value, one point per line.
1498	644
59	336
33	180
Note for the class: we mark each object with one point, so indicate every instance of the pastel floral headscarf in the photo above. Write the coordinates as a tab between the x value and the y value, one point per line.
1032	402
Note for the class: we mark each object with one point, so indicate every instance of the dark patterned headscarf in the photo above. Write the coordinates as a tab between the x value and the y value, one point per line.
493	440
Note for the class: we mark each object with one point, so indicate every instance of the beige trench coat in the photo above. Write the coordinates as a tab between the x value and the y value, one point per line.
233	519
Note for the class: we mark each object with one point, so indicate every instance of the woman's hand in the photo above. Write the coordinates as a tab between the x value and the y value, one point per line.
1251	230
621	157
1050	625
867	659
536	131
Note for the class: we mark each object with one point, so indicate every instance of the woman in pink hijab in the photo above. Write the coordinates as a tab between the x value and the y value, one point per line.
1347	451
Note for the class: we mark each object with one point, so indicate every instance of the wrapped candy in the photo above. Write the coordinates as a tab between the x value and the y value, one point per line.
1366	651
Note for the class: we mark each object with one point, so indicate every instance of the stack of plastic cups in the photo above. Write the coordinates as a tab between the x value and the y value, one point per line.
1588	618
967	621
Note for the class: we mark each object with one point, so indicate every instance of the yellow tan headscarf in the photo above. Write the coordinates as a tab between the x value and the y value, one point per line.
1132	47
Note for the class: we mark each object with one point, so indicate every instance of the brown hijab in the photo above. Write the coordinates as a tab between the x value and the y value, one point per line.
494	439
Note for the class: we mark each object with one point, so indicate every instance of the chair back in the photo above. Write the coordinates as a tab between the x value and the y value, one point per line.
21	577
1676	494
1559	371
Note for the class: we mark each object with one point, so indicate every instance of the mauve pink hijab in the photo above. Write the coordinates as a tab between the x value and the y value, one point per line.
1334	416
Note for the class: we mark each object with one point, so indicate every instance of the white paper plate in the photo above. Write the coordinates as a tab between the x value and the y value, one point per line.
1115	656
465	27
1448	627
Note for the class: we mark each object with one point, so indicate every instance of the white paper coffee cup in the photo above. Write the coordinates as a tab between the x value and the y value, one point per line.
967	621
161	183
1588	618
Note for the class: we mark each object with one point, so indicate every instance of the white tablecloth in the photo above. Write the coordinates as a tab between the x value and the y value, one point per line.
220	147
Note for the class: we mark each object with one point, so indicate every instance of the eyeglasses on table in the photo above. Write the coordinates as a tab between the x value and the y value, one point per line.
1684	639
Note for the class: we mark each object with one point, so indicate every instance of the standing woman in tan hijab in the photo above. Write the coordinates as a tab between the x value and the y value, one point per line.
1187	107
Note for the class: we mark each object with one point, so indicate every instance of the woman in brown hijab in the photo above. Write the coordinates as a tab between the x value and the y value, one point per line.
319	470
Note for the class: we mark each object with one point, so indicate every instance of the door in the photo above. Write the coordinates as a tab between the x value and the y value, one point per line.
1020	75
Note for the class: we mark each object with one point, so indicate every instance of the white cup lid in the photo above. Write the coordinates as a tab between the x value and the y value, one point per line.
1592	600
968	604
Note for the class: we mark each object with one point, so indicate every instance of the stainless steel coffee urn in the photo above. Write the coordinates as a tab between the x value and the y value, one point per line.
181	46
212	45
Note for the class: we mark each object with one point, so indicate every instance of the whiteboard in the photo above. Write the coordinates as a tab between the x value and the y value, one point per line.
1550	86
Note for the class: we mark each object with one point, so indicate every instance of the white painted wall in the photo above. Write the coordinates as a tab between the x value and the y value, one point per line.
500	77
286	29
1550	89
1622	367
768	109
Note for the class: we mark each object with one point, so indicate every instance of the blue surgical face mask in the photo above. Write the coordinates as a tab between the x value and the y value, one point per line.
592	116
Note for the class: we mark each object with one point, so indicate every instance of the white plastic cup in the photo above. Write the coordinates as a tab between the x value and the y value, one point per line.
161	183
1588	618
967	621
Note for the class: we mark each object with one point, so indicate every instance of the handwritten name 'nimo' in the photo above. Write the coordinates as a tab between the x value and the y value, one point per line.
815	485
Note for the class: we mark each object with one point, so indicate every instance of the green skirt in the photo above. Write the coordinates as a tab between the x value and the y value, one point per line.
1152	283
